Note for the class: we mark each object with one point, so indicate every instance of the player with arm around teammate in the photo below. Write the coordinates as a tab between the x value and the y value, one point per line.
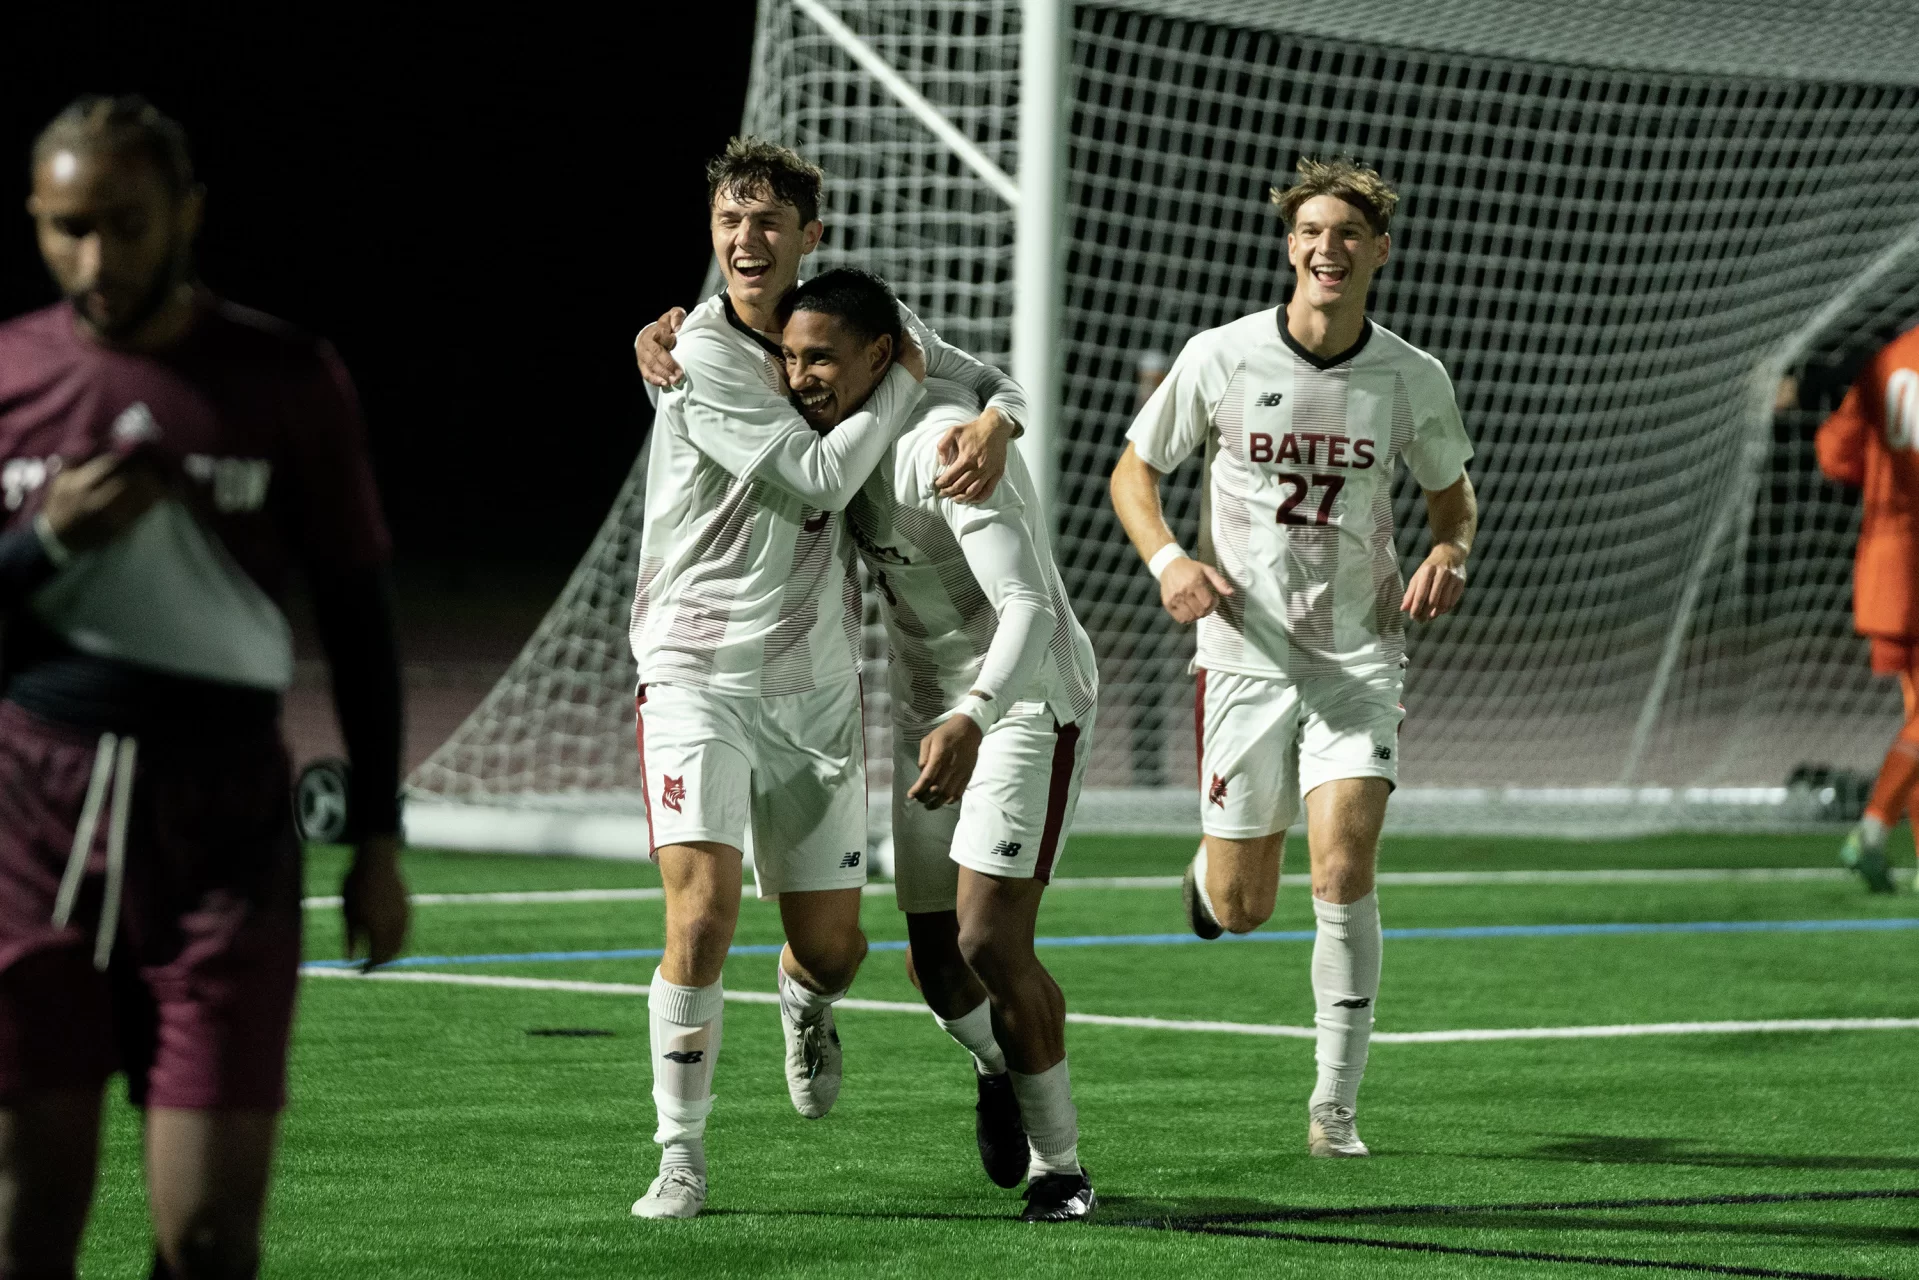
1302	412
745	631
993	688
168	459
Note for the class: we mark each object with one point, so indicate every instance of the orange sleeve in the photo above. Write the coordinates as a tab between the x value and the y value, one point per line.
1841	441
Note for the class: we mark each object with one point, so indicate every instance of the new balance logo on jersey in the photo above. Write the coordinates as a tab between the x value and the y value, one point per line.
673	792
1358	1002
1217	793
1007	849
1382	753
851	859
1267	399
685	1057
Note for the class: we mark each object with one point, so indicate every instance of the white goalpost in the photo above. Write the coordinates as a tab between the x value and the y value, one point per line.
1622	223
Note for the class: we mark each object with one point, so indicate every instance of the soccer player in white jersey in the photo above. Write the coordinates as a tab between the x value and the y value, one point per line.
1303	412
993	687
745	629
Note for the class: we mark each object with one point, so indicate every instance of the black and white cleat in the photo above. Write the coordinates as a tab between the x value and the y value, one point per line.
1060	1197
1003	1151
1197	917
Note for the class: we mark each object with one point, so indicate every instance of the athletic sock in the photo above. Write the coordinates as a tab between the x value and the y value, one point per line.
974	1031
1052	1121
1345	984
686	1026
1199	879
1895	786
1872	831
801	1002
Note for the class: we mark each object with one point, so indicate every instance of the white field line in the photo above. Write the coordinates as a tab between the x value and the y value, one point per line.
1774	1025
1704	875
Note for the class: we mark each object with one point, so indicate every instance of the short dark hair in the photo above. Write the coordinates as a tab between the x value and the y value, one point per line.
858	299
127	124
1343	178
755	167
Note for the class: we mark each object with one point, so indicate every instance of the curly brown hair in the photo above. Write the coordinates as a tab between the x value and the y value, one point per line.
755	167
1343	178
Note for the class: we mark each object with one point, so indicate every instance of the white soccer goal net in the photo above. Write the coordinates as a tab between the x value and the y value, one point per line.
1622	223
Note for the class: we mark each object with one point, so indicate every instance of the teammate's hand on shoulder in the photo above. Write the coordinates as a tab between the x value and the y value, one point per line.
1438	585
93	503
651	349
975	457
373	900
947	757
910	357
1190	589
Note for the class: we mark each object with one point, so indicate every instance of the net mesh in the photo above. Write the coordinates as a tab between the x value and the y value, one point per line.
1616	242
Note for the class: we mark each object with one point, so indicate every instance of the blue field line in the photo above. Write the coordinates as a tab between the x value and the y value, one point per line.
1181	939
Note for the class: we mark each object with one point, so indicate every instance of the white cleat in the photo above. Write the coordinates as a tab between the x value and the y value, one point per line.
1331	1131
812	1062
676	1193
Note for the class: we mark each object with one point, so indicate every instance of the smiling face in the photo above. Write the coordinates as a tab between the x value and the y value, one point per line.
830	367
116	239
758	242
1334	252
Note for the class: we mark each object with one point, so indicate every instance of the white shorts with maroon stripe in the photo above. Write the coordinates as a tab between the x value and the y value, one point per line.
790	769
1266	743
1012	820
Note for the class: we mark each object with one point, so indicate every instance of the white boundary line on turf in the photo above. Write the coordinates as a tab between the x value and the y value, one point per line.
1763	1026
1703	875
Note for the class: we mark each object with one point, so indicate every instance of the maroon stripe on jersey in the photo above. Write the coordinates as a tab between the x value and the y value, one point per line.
1065	753
646	785
1199	726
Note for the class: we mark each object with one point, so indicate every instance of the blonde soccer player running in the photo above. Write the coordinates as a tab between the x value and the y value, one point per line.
1303	413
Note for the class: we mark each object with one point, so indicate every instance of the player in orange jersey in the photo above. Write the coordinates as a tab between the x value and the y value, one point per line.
1872	439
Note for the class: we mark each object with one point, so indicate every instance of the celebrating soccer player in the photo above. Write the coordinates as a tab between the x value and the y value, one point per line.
1303	412
993	686
1873	440
745	628
168	459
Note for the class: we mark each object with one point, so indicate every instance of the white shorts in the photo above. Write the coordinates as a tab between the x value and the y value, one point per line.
791	768
1010	823
1266	743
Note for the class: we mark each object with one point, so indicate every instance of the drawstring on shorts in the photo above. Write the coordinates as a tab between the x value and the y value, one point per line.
112	767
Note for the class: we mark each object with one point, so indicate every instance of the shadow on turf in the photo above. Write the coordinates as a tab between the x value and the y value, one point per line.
1600	1148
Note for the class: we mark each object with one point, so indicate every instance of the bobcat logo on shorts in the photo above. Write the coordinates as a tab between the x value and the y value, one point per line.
1217	793
673	793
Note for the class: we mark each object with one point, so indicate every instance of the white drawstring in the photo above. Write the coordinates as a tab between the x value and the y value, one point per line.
113	765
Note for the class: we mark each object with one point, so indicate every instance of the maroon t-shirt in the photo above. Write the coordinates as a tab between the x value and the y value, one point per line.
259	423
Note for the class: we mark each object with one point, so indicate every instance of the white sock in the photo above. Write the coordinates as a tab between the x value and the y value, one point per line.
974	1031
1199	879
1345	984
685	1024
1052	1121
1872	832
801	1002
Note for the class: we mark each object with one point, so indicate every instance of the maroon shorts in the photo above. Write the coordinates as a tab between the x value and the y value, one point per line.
197	999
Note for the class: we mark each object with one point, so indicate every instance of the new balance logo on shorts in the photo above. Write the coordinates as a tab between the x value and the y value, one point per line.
1382	753
1267	399
1007	849
673	792
1217	793
851	859
685	1057
1357	1002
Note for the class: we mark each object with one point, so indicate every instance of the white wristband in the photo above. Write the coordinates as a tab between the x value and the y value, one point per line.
57	551
983	712
1164	556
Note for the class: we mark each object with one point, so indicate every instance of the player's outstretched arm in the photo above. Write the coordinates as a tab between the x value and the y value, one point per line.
1439	583
974	452
1188	589
1841	439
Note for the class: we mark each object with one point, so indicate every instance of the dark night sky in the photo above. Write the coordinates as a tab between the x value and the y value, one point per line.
478	211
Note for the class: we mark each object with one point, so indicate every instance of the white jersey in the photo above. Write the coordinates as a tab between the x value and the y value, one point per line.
971	595
1300	454
745	583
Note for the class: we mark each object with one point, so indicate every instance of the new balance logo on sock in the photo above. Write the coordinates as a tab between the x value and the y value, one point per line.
1267	399
1359	1002
685	1057
1007	849
673	792
851	859
1217	794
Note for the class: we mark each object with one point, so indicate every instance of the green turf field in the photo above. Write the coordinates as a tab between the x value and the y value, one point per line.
431	1135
